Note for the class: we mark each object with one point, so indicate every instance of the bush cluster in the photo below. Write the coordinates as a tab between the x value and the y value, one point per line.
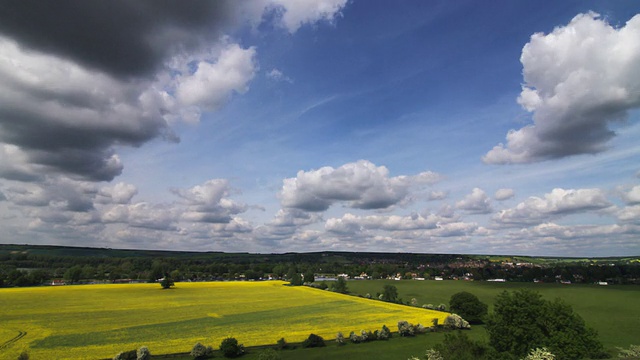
200	351
230	348
313	341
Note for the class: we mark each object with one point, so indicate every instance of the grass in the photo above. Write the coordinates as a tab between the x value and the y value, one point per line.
98	321
612	310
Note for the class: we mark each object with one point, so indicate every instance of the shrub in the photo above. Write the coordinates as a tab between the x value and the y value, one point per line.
442	307
143	353
414	302
200	351
269	354
540	354
420	329
355	338
313	341
454	321
230	348
384	334
405	328
340	339
23	356
632	353
432	354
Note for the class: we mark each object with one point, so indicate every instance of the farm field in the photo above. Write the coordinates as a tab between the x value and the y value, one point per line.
98	321
612	310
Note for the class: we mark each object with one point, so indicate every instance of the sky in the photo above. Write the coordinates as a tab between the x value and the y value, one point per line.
271	126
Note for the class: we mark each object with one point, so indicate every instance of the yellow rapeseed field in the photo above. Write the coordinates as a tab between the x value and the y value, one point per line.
98	321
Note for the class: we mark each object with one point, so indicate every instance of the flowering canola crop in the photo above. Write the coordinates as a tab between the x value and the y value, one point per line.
98	321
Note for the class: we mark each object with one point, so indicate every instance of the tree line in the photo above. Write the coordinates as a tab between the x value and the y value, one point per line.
27	268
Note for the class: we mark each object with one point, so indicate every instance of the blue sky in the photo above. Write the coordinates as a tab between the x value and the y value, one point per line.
507	127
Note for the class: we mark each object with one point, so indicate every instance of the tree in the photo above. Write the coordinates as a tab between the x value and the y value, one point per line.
522	321
230	348
468	306
390	293
167	282
295	279
340	286
313	341
73	274
309	276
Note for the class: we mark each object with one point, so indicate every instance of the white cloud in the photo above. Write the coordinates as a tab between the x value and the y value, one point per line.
578	79
631	196
475	203
296	13
437	195
277	75
503	194
209	202
361	185
119	193
629	214
214	80
558	202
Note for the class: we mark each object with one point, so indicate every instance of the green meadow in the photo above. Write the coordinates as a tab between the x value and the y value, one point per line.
612	310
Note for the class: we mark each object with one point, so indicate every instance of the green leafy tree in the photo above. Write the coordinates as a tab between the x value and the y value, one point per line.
313	341
73	274
468	306
167	282
295	279
340	286
390	293
309	276
522	321
230	348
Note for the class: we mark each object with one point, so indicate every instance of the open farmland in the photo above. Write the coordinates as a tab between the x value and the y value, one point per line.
97	321
612	310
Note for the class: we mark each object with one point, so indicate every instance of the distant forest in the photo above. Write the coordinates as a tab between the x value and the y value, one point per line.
30	265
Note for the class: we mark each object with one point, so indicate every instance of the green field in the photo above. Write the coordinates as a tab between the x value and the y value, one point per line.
98	321
612	310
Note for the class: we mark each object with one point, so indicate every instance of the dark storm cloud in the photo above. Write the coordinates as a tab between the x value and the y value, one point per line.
120	37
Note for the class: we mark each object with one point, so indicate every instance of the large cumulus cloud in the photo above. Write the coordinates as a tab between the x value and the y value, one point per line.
579	79
79	79
361	185
558	202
